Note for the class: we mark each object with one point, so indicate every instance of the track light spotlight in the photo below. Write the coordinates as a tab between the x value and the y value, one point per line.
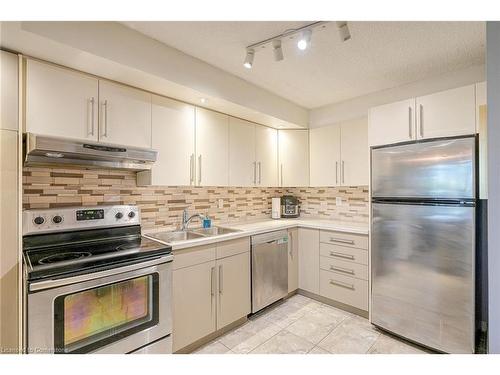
304	40
343	31
277	51
249	59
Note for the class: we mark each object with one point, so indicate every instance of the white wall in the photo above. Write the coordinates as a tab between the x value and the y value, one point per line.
358	107
114	51
493	80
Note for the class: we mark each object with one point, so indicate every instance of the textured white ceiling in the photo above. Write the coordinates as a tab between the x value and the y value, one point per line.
380	55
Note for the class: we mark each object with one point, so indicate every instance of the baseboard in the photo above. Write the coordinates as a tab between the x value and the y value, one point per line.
339	305
205	340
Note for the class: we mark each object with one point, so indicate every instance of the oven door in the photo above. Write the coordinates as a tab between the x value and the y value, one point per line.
113	311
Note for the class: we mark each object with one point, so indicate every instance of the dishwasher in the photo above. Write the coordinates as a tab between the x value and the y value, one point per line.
269	268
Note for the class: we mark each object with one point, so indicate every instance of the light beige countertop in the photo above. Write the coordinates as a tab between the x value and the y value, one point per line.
250	228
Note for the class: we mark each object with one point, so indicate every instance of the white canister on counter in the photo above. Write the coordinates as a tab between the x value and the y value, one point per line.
275	208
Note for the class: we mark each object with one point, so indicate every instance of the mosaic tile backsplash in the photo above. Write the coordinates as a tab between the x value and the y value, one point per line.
161	207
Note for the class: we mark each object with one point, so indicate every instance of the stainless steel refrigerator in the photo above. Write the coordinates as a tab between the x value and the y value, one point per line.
423	242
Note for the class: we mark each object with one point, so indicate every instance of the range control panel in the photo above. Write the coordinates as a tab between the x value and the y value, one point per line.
76	218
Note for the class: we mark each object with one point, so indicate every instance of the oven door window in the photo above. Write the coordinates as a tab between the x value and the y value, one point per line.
87	320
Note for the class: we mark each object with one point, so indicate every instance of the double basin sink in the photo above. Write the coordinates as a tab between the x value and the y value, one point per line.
185	235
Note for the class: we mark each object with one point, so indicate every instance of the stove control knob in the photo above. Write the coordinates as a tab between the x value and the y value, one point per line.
39	220
57	219
119	215
131	214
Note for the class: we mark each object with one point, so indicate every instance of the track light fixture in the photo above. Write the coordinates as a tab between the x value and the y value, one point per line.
249	58
343	31
303	42
277	51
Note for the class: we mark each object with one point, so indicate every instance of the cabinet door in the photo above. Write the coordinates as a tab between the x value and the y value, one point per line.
173	137
266	155
294	158
392	123
9	229
293	260
9	78
233	289
242	163
447	113
309	260
482	129
355	155
324	146
125	115
194	303
212	139
60	102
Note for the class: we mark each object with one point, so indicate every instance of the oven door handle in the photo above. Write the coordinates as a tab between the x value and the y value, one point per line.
49	284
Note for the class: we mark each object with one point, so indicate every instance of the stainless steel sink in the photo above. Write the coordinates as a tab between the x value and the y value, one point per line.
176	236
214	231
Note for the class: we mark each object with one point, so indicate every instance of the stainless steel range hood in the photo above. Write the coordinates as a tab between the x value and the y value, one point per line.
46	150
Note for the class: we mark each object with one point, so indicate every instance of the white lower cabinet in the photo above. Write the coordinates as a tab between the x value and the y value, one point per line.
233	292
293	260
334	265
211	289
309	260
194	314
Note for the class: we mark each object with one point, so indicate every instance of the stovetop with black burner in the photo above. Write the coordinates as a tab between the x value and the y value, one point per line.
57	255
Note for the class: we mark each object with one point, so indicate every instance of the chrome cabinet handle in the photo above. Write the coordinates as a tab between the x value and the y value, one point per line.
341	240
92	103
290	252
212	281
221	280
341	255
343	169
281	170
260	172
421	121
341	269
409	122
105	130
341	284
254	172
336	172
199	170
191	170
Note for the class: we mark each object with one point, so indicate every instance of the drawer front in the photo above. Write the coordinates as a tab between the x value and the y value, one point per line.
342	267
193	256
344	239
344	289
233	247
348	254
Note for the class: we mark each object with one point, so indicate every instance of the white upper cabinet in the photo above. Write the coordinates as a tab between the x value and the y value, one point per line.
354	152
294	157
125	115
266	155
242	163
9	91
212	148
60	102
324	145
447	113
392	123
173	136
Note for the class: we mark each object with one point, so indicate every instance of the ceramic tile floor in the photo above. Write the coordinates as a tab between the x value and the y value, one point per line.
301	325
